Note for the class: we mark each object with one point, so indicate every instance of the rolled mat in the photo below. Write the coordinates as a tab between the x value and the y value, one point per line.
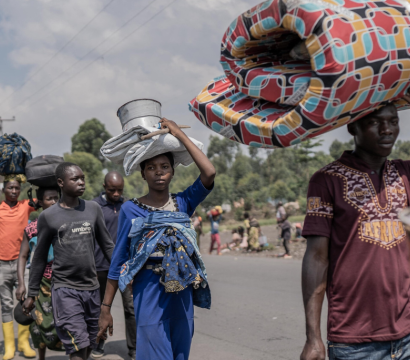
357	59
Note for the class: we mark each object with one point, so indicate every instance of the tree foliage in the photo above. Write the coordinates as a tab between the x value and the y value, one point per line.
257	176
90	137
337	148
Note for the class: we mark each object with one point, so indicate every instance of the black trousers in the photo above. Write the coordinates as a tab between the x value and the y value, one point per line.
128	304
286	237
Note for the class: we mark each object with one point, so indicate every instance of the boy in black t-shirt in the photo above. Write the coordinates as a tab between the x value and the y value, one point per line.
72	226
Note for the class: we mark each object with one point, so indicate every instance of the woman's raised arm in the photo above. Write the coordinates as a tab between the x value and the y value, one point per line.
205	166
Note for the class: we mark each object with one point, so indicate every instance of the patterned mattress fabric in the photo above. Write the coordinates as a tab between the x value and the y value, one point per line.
358	59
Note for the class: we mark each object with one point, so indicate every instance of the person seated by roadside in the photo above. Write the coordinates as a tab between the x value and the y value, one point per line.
235	241
244	238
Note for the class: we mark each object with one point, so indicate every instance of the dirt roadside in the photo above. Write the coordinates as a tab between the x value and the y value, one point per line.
272	232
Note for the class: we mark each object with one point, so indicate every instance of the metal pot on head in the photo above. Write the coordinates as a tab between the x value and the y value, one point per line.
145	112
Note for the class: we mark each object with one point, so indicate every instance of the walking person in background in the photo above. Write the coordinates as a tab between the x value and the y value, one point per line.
357	249
215	218
111	201
43	332
280	212
286	228
197	223
72	226
14	217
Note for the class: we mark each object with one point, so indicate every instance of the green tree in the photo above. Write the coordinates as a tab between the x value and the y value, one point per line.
222	192
249	183
221	151
240	168
90	137
401	150
92	169
337	148
184	177
280	191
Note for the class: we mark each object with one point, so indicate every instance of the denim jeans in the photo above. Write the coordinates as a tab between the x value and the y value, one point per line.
378	350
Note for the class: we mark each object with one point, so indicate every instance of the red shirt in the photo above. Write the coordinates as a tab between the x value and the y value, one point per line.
13	220
368	278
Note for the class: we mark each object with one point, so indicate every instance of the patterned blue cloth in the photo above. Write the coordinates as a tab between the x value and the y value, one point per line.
15	152
172	231
179	270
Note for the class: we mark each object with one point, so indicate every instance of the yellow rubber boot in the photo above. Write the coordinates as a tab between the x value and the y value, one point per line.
23	344
9	345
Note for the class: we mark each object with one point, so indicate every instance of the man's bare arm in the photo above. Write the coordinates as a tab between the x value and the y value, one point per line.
314	279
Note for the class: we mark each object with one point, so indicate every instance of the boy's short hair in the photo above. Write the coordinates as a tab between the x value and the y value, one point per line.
62	169
246	215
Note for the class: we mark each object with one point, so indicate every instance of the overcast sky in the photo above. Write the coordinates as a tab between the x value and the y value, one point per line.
169	58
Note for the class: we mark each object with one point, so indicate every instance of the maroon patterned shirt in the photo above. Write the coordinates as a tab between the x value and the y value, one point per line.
31	231
368	278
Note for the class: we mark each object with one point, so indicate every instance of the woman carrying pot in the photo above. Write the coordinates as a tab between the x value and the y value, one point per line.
157	253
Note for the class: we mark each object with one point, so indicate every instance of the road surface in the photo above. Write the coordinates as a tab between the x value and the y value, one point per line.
256	314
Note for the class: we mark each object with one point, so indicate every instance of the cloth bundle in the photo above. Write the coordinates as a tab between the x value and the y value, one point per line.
128	148
15	152
295	69
183	263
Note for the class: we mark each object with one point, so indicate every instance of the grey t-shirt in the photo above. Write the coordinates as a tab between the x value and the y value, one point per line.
73	233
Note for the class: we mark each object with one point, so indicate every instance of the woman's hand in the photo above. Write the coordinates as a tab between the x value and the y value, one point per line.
205	166
172	126
21	292
105	322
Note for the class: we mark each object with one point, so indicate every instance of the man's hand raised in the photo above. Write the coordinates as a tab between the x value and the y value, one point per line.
314	350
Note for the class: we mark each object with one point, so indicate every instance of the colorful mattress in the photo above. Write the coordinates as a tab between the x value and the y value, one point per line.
357	59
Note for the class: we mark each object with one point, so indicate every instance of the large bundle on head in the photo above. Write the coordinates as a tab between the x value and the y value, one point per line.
15	152
138	119
40	171
295	69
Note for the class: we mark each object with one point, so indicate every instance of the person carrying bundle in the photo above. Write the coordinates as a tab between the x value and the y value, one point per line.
357	248
40	172
156	253
43	332
14	216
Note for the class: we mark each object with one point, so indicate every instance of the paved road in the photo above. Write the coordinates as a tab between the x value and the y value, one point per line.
256	313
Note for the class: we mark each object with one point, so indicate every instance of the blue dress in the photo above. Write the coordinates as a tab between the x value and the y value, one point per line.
165	321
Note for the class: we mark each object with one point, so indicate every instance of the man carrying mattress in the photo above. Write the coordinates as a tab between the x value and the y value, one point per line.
357	250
